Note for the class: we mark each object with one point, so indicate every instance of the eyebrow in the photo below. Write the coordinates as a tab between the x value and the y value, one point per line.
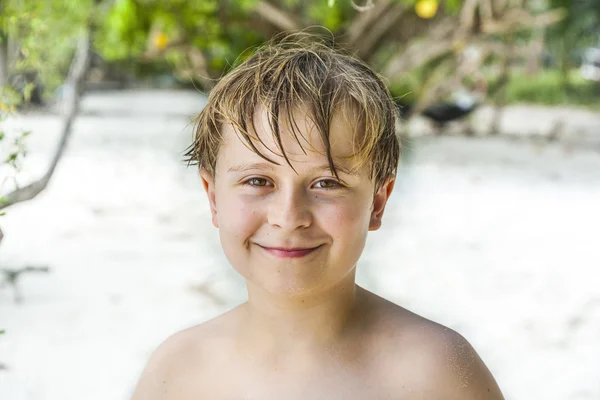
246	167
338	167
265	165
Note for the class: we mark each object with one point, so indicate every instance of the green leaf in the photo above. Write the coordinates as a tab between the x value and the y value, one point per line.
453	6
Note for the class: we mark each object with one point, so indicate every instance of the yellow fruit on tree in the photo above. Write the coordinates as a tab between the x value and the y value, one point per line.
161	40
426	8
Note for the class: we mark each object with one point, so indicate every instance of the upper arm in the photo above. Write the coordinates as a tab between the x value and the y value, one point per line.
462	374
439	363
160	373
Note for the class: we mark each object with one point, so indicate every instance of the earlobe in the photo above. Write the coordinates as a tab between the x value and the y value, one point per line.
379	203
208	182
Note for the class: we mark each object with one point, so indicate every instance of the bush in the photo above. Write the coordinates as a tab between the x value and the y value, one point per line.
548	87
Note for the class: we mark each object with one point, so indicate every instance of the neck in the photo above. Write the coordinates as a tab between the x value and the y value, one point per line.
300	322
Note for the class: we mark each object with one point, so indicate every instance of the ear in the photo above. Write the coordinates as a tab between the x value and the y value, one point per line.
379	202
208	181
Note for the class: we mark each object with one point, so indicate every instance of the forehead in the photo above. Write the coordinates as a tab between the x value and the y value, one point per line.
299	137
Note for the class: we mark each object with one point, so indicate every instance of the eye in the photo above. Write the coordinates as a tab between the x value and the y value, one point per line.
257	182
327	184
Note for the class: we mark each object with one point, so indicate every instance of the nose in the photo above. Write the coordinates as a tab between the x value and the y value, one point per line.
289	209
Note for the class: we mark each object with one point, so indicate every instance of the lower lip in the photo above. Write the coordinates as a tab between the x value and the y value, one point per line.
289	253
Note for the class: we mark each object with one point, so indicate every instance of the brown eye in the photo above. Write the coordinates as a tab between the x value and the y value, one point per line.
259	182
327	184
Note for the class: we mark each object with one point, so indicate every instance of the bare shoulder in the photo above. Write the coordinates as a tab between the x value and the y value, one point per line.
179	367
428	360
451	367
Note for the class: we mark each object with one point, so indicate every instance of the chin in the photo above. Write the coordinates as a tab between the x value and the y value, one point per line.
291	281
285	280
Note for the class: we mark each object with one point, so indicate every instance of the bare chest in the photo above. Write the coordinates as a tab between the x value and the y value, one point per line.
327	388
316	384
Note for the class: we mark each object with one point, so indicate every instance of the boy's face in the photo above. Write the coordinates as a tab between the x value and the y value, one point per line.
286	231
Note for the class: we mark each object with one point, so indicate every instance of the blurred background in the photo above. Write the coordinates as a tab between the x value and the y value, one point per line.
106	245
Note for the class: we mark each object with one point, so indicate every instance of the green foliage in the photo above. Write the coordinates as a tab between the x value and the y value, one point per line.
13	150
407	89
46	33
323	14
17	151
132	26
123	34
579	29
10	99
220	29
47	30
453	6
548	88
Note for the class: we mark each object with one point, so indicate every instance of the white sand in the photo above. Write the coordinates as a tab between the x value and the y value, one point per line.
495	238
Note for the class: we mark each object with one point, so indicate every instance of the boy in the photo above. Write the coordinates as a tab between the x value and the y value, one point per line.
297	154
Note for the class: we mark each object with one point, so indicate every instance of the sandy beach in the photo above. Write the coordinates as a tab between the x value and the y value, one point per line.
495	237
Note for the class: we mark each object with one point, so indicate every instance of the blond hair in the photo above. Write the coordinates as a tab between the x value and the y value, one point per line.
293	71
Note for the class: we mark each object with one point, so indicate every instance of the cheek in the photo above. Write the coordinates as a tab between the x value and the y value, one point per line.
238	221
348	220
237	215
347	225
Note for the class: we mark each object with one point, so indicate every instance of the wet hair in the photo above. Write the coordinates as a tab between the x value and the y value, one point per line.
304	72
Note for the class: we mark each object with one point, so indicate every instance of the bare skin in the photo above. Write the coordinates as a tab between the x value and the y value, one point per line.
307	331
383	352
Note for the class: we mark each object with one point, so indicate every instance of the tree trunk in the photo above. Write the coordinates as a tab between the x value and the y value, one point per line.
3	59
564	65
502	85
534	55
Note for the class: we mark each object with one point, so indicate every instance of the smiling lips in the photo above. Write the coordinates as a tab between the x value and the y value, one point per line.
283	252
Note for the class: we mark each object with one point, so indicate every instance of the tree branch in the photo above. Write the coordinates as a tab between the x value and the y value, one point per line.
72	96
486	10
443	39
371	41
277	17
364	20
418	53
518	19
467	17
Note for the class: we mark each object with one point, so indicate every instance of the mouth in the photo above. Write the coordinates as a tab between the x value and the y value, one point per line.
284	252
